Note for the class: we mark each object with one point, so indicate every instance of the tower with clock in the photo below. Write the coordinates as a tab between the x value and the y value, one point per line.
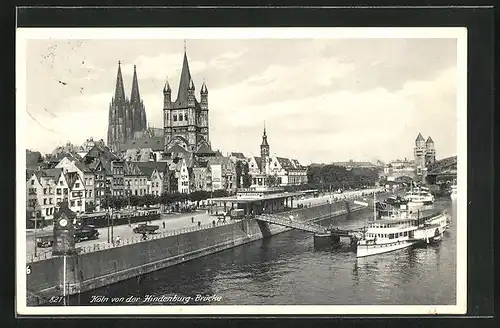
64	229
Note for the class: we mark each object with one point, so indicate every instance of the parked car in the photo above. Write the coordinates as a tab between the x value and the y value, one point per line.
146	229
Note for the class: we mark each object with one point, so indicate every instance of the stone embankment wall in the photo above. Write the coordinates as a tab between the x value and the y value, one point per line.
92	270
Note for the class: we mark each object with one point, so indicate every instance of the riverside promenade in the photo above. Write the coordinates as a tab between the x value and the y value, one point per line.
177	223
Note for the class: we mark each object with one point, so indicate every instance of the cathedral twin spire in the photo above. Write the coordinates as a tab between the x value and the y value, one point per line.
126	116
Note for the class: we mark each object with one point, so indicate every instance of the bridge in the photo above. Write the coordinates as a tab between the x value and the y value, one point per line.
445	168
289	222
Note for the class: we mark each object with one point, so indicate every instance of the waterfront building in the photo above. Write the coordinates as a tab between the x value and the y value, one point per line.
136	182
186	120
183	177
69	164
33	192
201	179
76	189
286	171
236	156
159	175
126	116
223	173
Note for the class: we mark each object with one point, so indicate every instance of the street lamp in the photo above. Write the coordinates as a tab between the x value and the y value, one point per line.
34	214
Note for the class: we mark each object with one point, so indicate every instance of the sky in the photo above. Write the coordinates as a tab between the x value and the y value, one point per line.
321	100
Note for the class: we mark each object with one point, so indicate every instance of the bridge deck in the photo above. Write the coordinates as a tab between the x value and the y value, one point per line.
291	223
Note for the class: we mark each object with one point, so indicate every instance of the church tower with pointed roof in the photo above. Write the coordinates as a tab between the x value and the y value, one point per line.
126	117
185	120
264	152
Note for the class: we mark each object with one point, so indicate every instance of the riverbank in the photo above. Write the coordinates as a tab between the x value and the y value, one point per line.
94	269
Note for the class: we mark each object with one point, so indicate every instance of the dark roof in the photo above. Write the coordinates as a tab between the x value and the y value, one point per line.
204	149
238	155
155	143
71	178
429	140
82	167
130	168
258	160
52	173
420	138
285	162
184	85
148	167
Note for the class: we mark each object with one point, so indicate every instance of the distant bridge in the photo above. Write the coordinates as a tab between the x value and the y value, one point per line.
445	166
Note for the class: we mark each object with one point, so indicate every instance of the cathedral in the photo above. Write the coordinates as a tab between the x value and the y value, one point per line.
127	117
185	120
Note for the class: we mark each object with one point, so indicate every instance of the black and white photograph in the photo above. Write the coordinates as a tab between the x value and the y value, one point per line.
241	171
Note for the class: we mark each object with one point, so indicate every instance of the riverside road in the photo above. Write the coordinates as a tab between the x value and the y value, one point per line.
179	221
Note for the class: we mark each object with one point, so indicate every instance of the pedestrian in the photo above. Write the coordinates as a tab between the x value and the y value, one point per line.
213	222
163	224
192	219
199	223
118	240
144	237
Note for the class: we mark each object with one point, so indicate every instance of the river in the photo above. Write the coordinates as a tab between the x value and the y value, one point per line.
287	269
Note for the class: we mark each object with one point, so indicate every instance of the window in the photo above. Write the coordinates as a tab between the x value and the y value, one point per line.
79	203
58	191
61	183
45	191
136	192
186	117
72	203
175	118
77	185
45	201
90	193
32	182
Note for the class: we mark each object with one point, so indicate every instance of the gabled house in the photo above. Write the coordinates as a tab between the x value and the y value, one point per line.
286	171
158	175
76	199
223	173
254	165
85	173
136	182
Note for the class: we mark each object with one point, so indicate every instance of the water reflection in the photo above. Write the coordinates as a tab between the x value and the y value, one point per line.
287	269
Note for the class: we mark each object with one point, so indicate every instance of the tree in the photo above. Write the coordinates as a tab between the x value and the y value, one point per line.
239	173
272	180
90	208
247	179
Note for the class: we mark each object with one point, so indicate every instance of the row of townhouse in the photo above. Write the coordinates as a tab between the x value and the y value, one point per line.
47	188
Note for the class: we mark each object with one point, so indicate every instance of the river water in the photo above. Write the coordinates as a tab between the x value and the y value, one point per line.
287	269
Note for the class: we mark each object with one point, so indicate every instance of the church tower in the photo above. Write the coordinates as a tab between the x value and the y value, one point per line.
185	120
137	112
117	114
126	117
264	152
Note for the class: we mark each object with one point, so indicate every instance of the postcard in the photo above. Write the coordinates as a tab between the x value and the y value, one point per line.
188	171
